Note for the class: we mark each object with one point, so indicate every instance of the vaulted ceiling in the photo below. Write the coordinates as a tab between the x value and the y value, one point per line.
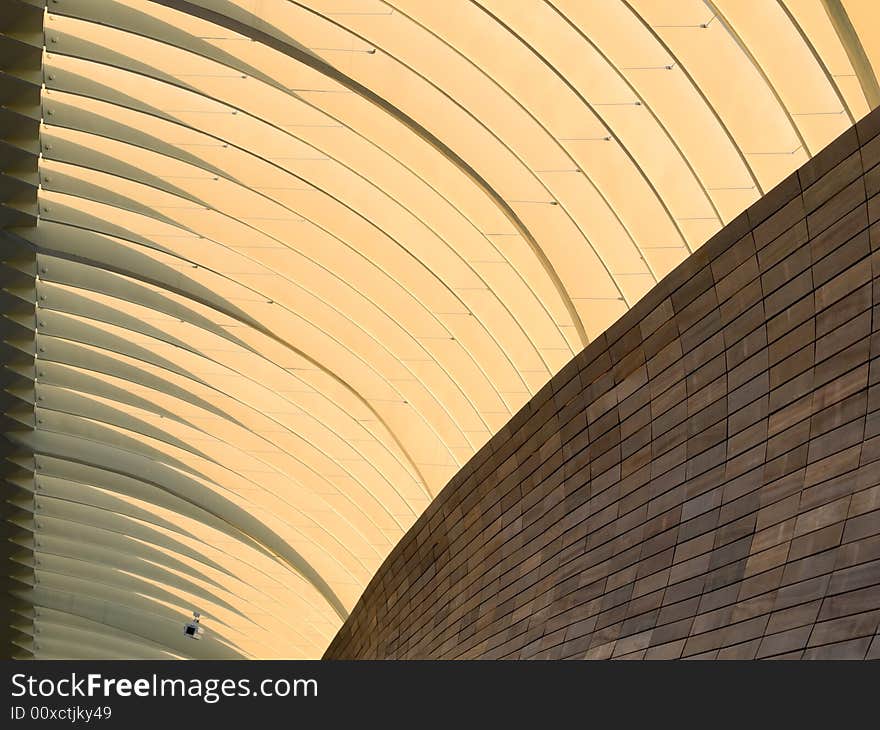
298	261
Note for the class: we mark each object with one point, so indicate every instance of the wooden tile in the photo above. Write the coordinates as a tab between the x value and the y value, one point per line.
702	481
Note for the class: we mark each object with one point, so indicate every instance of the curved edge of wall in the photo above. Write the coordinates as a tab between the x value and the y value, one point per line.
21	78
701	481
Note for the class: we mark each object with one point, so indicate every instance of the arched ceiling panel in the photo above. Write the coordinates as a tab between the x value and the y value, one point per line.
296	261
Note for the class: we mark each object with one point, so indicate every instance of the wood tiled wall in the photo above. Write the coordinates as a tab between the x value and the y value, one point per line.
702	481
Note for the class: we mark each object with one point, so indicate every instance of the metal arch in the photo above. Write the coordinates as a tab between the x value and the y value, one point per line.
157	566
182	559
96	574
47	559
159	334
809	44
163	78
157	435
59	467
537	121
127	441
354	528
95	631
322	67
100	436
699	91
166	557
505	145
284	552
858	59
115	374
182	372
501	142
66	487
134	274
648	108
128	422
239	633
74	597
612	133
245	255
191	319
395	201
99	642
171	486
167	549
322	228
166	593
87	387
728	26
137	618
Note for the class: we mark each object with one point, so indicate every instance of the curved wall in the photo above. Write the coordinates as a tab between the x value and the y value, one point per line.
21	49
701	481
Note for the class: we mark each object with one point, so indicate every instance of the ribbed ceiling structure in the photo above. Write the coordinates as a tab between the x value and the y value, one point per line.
297	261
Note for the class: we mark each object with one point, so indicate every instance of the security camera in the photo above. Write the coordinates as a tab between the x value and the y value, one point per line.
192	629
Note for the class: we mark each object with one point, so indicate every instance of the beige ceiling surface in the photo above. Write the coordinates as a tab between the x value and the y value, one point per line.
298	261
